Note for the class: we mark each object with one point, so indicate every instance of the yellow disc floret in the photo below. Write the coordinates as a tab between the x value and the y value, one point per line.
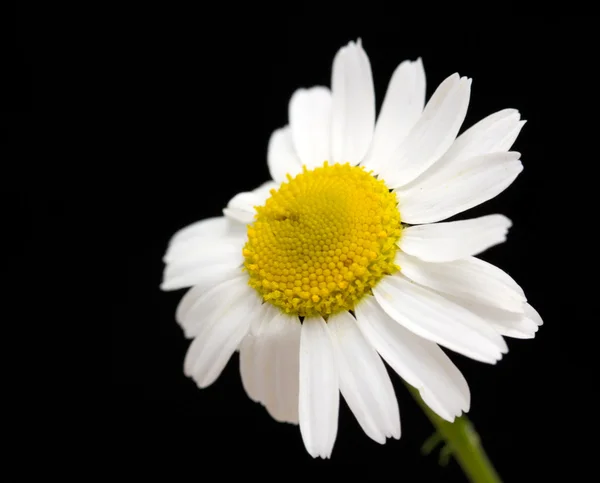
323	240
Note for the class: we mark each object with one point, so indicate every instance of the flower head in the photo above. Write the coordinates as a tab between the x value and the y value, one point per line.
339	262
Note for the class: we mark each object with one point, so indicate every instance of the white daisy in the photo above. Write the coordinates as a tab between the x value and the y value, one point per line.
315	275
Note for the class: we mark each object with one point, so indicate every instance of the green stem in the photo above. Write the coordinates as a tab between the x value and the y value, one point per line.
464	443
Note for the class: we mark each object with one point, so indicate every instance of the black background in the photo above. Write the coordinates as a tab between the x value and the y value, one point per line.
194	114
16	67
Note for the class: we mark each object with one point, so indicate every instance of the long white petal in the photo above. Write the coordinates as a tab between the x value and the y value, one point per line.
205	261
445	242
207	281
533	314
256	368
509	324
191	249
284	407
310	120
251	378
210	227
242	207
281	155
434	317
469	279
319	389
206	258
421	363
364	381
205	250
263	192
212	304
401	108
477	180
270	366
493	134
220	337
353	106
432	135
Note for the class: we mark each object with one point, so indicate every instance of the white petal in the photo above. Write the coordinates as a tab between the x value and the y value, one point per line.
353	106
310	120
263	192
319	389
251	378
242	207
210	227
180	278
269	313
421	363
445	242
187	250
509	324
220	337
205	249
255	357
281	156
212	304
207	281
475	181
432	135
493	134
205	260
469	279
287	369
533	314
401	108
269	365
364	381
432	316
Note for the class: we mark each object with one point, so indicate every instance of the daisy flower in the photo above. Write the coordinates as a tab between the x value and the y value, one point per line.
344	259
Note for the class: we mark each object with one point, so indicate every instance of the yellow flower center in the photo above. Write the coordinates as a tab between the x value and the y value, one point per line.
323	240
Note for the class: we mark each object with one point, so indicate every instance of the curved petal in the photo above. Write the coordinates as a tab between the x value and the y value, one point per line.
508	324
421	363
242	206
263	192
205	281
353	104
281	156
432	135
469	279
204	250
220	337
207	260
319	389
191	249
252	380
434	317
493	134
310	120
532	314
212	304
269	365
255	374
364	381
210	227
401	108
445	242
475	181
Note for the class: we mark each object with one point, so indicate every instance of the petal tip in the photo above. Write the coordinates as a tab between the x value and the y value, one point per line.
167	287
